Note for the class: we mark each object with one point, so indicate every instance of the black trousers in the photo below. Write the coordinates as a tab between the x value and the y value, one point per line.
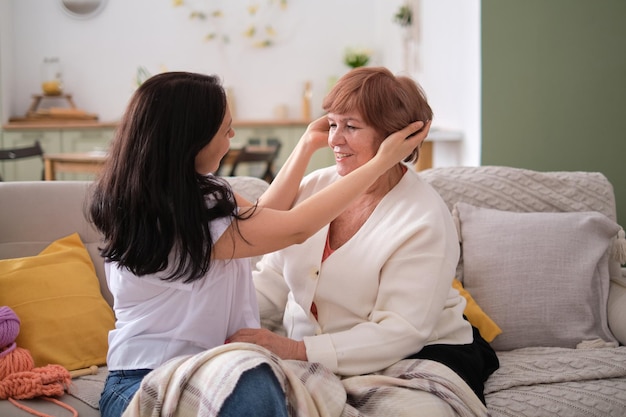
473	362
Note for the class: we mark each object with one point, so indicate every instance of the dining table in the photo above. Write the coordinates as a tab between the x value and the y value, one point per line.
72	162
92	162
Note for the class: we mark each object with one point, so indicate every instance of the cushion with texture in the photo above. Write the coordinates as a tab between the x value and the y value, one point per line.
56	294
543	277
524	190
476	316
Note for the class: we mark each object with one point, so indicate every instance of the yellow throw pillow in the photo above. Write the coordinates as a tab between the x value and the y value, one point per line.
56	294
488	328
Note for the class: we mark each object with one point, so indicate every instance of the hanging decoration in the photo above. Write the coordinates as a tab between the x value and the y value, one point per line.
256	22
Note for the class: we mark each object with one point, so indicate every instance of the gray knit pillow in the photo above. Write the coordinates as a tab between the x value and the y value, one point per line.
543	277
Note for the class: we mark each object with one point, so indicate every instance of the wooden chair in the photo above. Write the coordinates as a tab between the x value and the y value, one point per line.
253	154
20	153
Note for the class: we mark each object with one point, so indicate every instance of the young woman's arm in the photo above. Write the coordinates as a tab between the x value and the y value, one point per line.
282	191
268	230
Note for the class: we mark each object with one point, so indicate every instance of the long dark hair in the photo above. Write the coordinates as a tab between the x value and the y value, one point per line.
149	201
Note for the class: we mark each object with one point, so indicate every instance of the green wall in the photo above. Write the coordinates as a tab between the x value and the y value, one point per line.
554	87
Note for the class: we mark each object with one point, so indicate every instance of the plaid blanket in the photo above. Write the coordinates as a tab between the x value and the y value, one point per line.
198	385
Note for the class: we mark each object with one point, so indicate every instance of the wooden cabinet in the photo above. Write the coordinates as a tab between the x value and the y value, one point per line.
28	169
54	138
82	140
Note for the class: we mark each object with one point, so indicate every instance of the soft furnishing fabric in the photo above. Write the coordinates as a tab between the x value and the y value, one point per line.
555	382
553	267
56	295
180	387
476	315
525	190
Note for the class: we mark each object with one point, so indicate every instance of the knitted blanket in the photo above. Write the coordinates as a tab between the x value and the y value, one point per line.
548	381
198	385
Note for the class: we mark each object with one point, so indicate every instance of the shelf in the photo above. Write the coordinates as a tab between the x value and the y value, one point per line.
270	123
17	123
29	124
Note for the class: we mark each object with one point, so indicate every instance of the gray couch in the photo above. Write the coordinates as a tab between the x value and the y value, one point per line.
563	327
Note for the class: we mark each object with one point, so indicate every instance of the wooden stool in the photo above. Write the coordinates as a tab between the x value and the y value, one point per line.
37	98
56	113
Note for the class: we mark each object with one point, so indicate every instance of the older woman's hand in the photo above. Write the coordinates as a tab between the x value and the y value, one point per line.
284	347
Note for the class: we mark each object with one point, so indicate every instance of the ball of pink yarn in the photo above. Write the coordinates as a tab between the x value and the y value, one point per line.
9	329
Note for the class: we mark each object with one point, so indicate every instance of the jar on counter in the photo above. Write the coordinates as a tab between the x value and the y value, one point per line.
52	80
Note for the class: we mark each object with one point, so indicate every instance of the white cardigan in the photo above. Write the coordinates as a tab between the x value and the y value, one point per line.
381	296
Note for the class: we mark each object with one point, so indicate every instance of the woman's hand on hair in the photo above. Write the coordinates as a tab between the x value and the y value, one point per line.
316	134
423	133
401	144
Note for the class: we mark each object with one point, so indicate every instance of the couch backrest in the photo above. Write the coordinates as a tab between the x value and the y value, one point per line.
33	214
523	190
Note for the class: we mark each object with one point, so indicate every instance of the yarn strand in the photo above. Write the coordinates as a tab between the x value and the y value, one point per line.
39	414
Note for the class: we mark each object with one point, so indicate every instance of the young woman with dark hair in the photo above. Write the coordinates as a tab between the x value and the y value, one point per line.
177	238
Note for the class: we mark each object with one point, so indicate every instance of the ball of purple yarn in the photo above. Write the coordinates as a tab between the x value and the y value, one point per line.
9	326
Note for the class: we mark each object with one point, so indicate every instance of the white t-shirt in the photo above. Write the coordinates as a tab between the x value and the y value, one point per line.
158	320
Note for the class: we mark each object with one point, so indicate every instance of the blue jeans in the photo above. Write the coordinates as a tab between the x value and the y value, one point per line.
119	389
257	394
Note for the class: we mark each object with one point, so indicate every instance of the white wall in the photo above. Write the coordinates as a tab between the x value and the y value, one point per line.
100	56
5	51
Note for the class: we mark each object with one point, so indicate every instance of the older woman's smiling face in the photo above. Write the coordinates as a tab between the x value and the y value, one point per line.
352	141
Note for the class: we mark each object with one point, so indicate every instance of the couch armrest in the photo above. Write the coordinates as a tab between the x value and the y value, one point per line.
617	307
